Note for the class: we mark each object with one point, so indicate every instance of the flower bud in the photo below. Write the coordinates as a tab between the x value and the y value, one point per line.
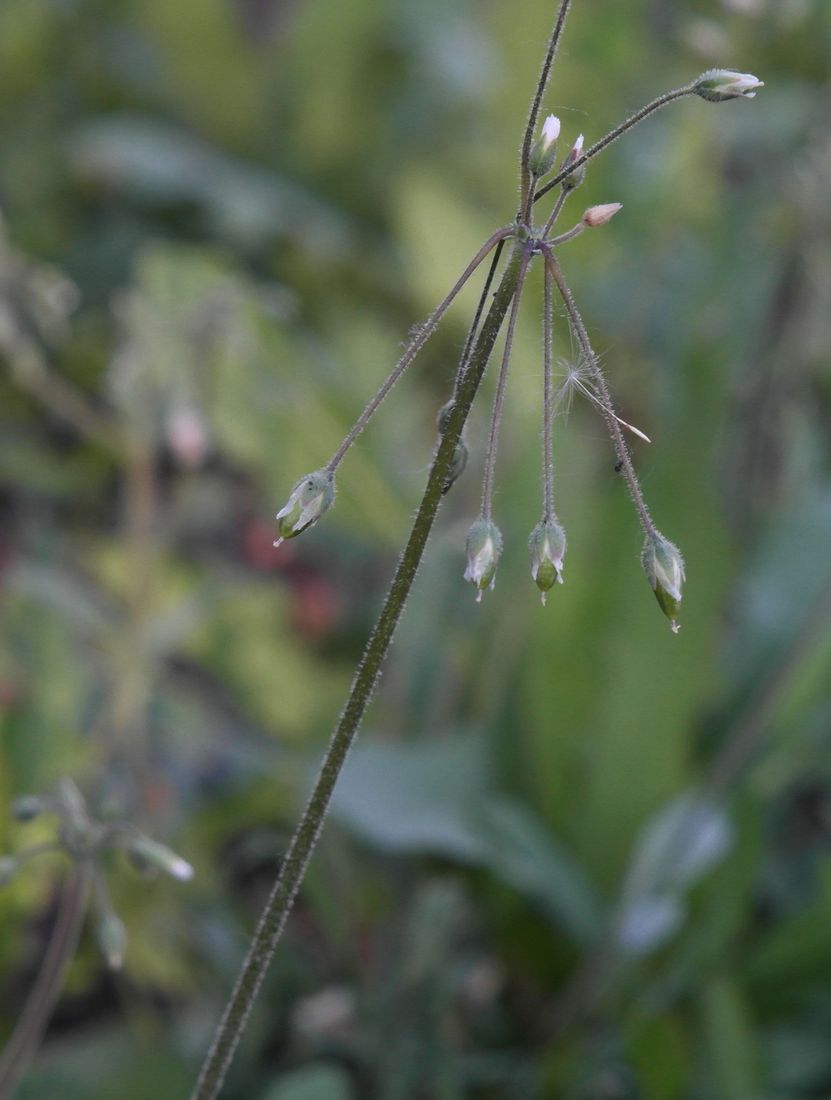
664	568
574	178
717	85
309	499
484	549
147	853
599	215
544	149
112	940
547	546
27	807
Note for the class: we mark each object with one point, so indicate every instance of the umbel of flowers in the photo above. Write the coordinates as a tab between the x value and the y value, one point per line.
662	561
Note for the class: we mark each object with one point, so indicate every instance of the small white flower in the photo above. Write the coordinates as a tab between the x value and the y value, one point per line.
550	131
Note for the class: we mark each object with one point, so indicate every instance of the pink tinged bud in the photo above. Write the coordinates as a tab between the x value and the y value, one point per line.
484	549
544	149
599	215
576	177
717	85
574	152
547	546
309	499
664	568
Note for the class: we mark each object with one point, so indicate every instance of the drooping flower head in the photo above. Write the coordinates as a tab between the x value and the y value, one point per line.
717	85
308	500
484	549
547	546
664	568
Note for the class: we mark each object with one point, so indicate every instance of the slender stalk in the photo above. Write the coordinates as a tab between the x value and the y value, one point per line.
569	235
47	988
609	415
424	333
307	832
526	186
548	399
499	399
613	135
555	213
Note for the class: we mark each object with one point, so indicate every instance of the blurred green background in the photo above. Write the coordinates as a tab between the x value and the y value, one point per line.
572	856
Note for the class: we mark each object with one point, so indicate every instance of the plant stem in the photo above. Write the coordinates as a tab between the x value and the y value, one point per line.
555	213
621	450
49	983
613	135
424	333
307	832
499	399
533	114
548	400
569	235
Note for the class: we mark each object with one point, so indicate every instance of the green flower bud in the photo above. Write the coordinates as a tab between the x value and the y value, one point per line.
27	807
8	866
112	940
664	568
547	546
717	85
147	854
484	549
544	150
309	499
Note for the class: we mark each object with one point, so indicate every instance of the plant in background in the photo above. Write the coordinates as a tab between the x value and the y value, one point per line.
85	841
314	493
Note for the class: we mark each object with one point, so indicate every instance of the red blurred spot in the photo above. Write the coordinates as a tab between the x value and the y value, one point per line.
315	606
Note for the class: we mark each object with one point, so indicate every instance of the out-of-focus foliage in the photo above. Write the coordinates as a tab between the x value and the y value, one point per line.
572	856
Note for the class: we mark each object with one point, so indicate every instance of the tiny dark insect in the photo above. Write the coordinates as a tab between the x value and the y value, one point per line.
618	467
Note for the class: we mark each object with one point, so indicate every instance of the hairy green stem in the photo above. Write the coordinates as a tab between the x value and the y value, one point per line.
526	184
307	832
477	317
